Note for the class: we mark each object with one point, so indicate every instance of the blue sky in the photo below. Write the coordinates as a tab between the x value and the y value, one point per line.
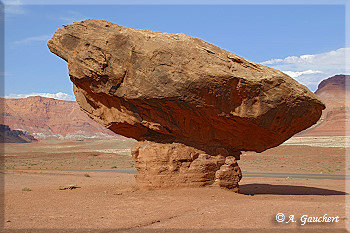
305	41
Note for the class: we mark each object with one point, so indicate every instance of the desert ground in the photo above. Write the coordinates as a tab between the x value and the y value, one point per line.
38	177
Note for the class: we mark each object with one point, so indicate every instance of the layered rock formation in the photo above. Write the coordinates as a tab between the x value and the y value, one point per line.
50	118
171	165
332	91
7	135
176	90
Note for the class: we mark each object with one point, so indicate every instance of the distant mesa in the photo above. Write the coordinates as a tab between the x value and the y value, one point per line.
335	86
332	92
191	105
15	136
51	118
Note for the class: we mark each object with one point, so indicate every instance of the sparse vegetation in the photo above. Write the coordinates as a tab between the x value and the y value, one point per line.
26	189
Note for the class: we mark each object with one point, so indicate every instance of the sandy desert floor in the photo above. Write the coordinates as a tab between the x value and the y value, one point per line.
107	200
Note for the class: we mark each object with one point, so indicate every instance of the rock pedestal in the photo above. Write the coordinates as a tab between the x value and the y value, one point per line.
162	165
229	175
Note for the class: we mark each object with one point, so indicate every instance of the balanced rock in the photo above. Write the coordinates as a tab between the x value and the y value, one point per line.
177	90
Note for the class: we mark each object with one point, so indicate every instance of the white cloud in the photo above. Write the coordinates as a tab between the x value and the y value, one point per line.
14	7
335	57
311	69
32	39
297	74
58	95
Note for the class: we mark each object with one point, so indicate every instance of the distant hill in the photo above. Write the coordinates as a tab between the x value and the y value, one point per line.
332	92
14	136
50	118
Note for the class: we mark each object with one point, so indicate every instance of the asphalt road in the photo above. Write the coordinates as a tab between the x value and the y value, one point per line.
296	176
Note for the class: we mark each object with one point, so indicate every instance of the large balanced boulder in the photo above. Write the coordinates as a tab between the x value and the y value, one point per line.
173	88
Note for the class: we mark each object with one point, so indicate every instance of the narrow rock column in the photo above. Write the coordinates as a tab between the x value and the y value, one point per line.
162	165
229	175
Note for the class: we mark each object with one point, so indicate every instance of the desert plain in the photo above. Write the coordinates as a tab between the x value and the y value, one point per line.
89	186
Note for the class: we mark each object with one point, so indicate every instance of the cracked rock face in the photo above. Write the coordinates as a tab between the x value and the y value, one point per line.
173	88
178	165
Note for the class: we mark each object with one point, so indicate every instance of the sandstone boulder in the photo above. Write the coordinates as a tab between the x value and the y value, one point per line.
173	89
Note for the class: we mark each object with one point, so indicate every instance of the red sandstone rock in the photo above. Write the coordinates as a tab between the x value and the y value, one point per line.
172	87
178	165
229	174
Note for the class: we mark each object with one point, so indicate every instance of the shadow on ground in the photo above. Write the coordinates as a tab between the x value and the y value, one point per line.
254	189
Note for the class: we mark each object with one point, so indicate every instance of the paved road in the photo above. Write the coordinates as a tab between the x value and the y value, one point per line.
245	174
296	176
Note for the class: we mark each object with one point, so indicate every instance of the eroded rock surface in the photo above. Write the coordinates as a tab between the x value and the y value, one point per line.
178	165
173	88
229	174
